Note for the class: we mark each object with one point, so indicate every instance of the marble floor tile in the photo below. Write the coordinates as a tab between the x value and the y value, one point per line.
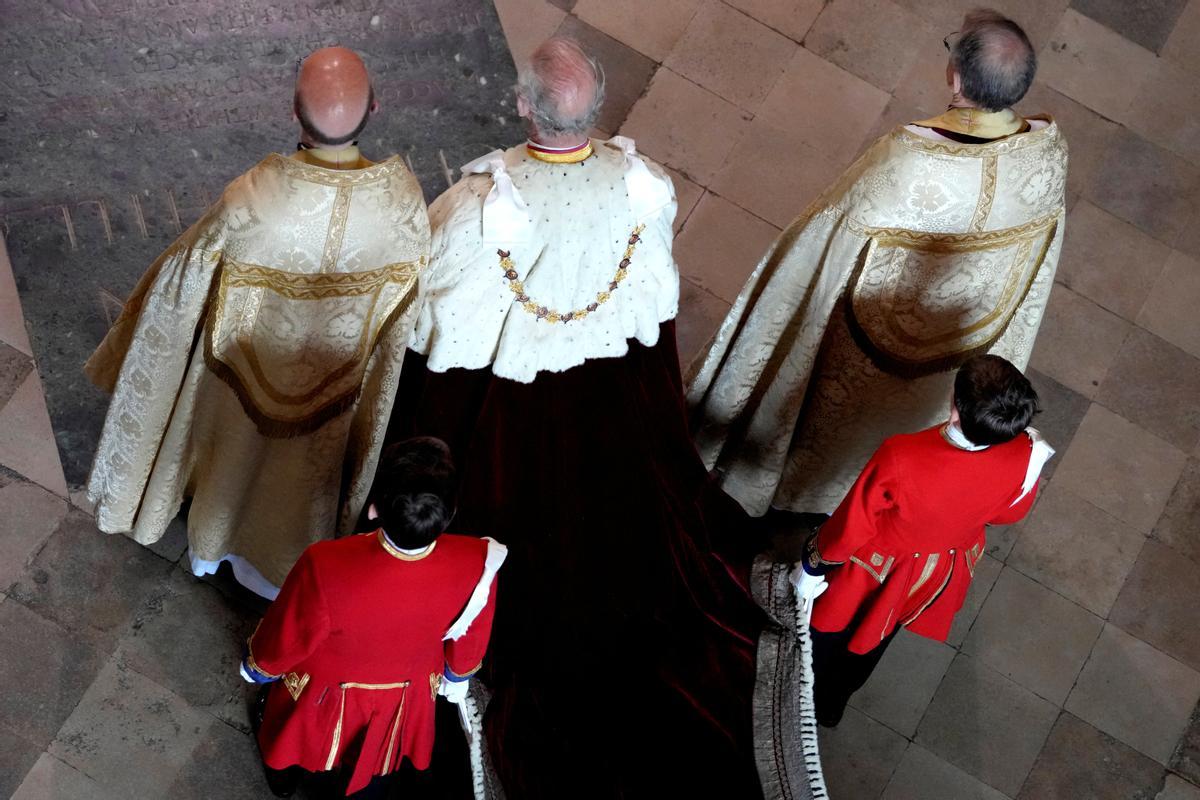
731	54
1179	525
1146	185
1158	602
51	779
1080	761
700	314
15	367
1088	134
986	573
877	40
650	28
27	443
1033	636
1177	788
1109	261
859	756
1183	45
1082	58
1038	18
626	72
121	707
1077	341
902	685
28	515
986	725
17	756
224	764
1121	468
1146	22
1170	309
1062	411
687	196
681	125
922	88
720	246
923	776
823	105
1079	551
52	668
12	320
1155	385
1186	758
1164	111
792	18
1002	538
526	24
1135	693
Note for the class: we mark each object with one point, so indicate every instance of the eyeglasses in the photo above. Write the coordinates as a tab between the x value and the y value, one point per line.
951	39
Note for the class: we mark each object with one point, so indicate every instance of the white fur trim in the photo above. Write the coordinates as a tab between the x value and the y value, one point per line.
496	553
1038	456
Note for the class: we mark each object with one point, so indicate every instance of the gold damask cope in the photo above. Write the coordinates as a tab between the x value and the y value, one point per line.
294	346
921	302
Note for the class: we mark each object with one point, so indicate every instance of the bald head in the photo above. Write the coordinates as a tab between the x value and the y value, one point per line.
333	96
562	88
994	60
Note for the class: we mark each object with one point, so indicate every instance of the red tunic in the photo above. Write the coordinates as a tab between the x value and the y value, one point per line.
357	634
911	531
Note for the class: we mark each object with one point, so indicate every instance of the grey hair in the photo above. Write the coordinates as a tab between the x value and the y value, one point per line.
994	59
549	80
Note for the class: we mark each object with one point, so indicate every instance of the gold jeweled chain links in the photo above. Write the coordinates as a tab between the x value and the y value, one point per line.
550	315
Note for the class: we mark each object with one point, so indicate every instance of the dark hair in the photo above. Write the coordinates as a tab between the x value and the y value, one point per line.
414	491
995	401
318	136
994	59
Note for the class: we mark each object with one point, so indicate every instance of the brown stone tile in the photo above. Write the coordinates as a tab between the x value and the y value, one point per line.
1170	309
684	126
700	314
1120	468
1038	18
1077	550
1135	693
720	246
1186	758
896	113
904	682
526	24
1177	788
626	72
1156	385
823	105
17	756
877	40
1088	134
1146	23
687	196
1082	58
1158	603
792	18
1109	261
28	514
224	764
27	442
731	54
1183	45
565	5
1062	411
859	755
986	725
1146	185
774	174
1188	241
45	670
649	28
922	88
51	779
123	709
1178	527
89	582
1032	635
1164	111
986	573
1002	538
15	367
923	776
1080	761
1077	341
12	321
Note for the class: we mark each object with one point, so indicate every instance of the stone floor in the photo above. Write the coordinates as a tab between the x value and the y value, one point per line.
1074	671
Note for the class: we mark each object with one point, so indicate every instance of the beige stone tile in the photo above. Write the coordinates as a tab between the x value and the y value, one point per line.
1176	788
626	72
731	54
1038	18
684	126
1135	693
1033	636
922	88
1084	57
792	18
902	685
27	441
986	573
650	28
526	24
986	725
1120	468
1170	308
12	320
1147	24
720	245
1088	134
1109	261
774	174
687	196
826	107
1165	110
859	755
700	314
28	515
877	40
1177	527
923	776
51	779
1155	385
1183	45
1077	550
1158	603
1077	341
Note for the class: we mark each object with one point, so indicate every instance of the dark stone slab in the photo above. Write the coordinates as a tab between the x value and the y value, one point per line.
1158	603
17	756
627	72
89	582
1080	761
1062	411
44	672
225	764
1186	759
1147	22
131	115
1154	384
1179	525
15	367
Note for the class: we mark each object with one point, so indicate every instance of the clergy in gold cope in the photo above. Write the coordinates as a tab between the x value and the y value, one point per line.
939	243
254	367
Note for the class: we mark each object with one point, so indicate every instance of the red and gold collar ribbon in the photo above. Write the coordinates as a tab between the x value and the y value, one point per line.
555	155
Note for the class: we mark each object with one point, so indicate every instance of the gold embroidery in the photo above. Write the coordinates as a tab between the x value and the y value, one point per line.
1033	138
876	560
435	683
468	673
250	662
932	597
387	761
392	550
877	575
930	564
566	157
972	557
319	286
337	228
337	730
935	242
987	193
338	177
295	684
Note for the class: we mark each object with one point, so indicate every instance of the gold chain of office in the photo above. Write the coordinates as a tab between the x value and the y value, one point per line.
550	315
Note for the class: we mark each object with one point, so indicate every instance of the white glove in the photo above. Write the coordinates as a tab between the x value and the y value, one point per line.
808	587
454	691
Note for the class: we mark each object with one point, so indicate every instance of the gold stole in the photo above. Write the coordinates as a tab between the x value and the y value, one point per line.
977	122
